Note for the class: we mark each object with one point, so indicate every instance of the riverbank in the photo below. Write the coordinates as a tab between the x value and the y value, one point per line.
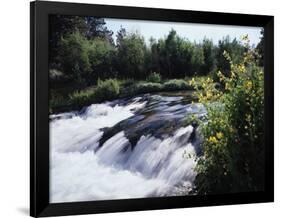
111	89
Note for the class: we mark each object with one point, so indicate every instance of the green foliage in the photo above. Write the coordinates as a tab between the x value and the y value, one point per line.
79	99
148	87
131	51
209	56
82	48
233	48
176	57
107	90
96	28
233	137
74	57
154	77
63	25
101	57
84	61
176	84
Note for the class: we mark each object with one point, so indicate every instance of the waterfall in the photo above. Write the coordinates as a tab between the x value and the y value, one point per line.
82	169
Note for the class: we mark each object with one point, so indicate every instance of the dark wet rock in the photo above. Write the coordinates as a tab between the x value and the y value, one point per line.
160	118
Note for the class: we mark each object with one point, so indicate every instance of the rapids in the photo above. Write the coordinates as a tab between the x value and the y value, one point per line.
128	148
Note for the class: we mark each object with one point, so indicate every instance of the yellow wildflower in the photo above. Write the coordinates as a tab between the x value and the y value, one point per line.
209	94
213	139
242	68
219	135
248	85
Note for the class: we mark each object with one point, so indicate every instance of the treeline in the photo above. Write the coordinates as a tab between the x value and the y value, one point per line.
82	50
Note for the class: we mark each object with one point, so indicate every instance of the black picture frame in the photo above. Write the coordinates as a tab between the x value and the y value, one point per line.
39	119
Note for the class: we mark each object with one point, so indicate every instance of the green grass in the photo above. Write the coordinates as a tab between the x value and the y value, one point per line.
110	89
176	84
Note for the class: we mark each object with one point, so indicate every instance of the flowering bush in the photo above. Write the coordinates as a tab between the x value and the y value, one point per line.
233	133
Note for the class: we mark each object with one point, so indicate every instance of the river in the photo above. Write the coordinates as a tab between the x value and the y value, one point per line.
127	148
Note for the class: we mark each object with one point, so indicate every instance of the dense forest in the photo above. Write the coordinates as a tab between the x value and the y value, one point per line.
82	52
87	65
83	49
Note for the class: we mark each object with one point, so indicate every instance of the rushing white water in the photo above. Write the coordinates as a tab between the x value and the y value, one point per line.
81	171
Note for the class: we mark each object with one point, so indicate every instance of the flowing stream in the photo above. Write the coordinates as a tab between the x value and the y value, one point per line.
128	148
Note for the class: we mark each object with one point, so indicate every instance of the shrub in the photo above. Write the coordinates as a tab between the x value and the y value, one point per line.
107	90
128	90
176	84
148	87
82	98
233	137
154	77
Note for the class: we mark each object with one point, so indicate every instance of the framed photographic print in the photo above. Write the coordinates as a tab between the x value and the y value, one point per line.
141	109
